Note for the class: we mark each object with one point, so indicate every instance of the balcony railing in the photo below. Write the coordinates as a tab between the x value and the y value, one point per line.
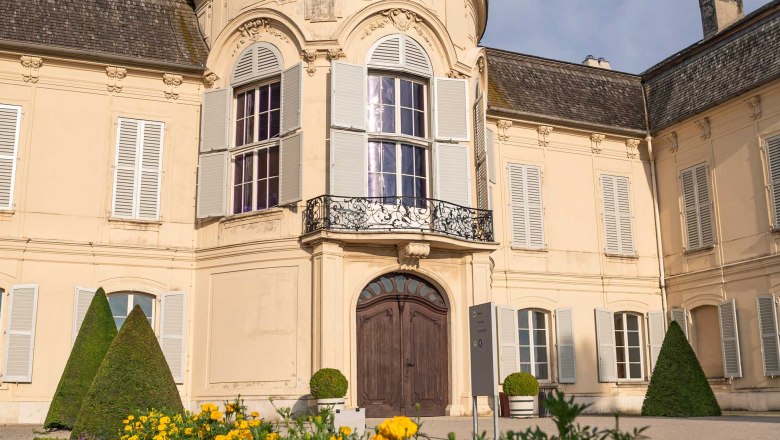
397	214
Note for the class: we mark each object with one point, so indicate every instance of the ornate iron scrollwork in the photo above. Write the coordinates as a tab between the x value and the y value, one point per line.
328	212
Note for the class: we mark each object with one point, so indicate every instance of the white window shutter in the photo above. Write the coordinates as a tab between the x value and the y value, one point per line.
348	163
215	116
245	66
517	205
151	154
704	205
508	344
173	331
292	98
680	316
729	337
415	59
564	331
491	155
773	159
525	199
533	199
10	123
256	62
656	332
387	53
767	329
212	185
20	336
616	209
690	211
451	107
696	206
626	236
480	149
126	167
348	96
83	299
452	173
290	176
609	212
605	336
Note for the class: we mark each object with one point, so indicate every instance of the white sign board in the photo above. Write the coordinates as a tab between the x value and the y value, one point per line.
482	341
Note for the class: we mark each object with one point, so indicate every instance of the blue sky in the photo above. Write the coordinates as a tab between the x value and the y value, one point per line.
632	34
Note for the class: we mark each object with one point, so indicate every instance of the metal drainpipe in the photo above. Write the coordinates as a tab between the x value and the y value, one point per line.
659	245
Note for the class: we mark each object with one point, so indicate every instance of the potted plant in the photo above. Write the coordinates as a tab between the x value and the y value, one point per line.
329	387
522	389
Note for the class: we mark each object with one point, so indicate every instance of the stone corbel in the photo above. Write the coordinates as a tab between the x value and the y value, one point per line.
335	54
310	57
595	142
671	139
115	76
754	104
409	254
481	64
456	75
703	125
210	78
503	129
172	82
544	135
30	67
632	148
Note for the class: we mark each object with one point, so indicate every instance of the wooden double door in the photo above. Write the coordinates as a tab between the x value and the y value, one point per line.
402	349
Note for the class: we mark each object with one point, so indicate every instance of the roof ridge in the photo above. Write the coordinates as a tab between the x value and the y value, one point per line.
565	64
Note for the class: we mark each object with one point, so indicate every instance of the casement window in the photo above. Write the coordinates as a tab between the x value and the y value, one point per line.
697	209
629	346
533	326
122	304
258	114
10	123
616	209
20	334
138	169
256	180
526	210
773	174
397	105
620	343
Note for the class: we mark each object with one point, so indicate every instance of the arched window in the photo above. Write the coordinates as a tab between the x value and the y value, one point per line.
123	302
628	346
534	337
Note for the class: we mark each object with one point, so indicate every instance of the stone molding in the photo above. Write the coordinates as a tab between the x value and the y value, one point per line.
209	78
544	132
401	19
754	104
503	127
673	142
595	142
632	148
172	83
310	58
254	30
115	76
335	54
409	254
705	130
30	65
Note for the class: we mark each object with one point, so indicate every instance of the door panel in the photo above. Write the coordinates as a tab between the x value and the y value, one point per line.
379	361
424	335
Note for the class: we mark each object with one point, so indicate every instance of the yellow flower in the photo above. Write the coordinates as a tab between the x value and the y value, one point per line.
125	421
229	408
221	437
397	428
187	431
165	420
255	414
272	436
254	423
128	428
318	419
143	419
130	417
133	437
243	424
215	415
162	427
345	430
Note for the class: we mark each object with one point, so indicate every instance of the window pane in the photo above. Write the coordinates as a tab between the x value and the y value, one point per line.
146	303
373	90
619	338
240	103
388	120
262	164
633	339
263	99
540	337
262	128
119	322
633	355
636	371
541	354
275	95
273	129
421	189
262	194
419	97
522	318
388	157
525	354
407	188
273	192
250	103
406	94
388	90
388	185
541	372
619	321
620	354
238	169
525	337
249	130
407	122
248	171
419	162
621	370
372	118
374	185
633	322
240	132
526	368
539	321
407	159
247	202
273	162
118	303
373	156
237	197
419	124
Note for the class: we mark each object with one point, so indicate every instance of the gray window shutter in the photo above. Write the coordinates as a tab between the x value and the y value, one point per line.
451	109
348	163
212	185
704	205
348	96
680	316
151	154
697	208
656	332
414	57
483	196
525	197
626	236
767	329
215	120
292	98
126	167
605	336
452	173
773	159
20	336
173	331
564	331
508	344
81	304
256	62
387	53
729	337
290	178
491	156
616	209
10	123
533	188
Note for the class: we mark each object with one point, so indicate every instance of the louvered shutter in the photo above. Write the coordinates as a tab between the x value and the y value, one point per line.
244	68
256	62
292	98
656	333
451	109
126	167
773	159
533	189
415	59
452	173
402	53
680	316
767	329
212	185
564	331
697	208
215	119
525	198
616	209
729	337
508	344
605	337
173	330
491	156
348	166
20	336
348	96
704	205
387	53
81	304
10	123
290	177
483	199
151	153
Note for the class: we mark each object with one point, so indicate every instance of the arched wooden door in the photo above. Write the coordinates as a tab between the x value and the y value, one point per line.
402	350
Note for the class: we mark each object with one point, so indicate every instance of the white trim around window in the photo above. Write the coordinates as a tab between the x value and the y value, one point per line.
533	328
629	346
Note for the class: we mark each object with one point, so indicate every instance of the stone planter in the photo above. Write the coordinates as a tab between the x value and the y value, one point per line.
333	404
521	407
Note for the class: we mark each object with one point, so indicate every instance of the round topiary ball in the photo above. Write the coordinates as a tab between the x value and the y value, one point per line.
521	384
328	383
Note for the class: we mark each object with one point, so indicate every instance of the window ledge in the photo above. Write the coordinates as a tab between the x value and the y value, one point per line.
7	212
237	218
542	250
132	223
704	250
622	256
632	384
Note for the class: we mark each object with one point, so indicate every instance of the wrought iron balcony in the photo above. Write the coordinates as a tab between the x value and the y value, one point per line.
397	214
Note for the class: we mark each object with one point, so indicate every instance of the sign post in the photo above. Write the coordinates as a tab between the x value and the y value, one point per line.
484	370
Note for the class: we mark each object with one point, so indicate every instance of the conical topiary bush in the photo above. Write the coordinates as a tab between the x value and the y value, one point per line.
678	386
134	376
95	335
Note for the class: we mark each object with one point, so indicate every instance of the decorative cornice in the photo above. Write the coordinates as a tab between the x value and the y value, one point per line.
455	74
253	30
595	142
172	82
632	148
544	133
30	65
503	129
754	104
402	19
115	76
703	125
671	139
210	78
310	57
409	254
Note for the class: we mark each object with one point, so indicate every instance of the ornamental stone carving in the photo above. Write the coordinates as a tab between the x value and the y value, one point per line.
754	104
310	57
172	82
210	78
455	74
254	30
503	127
402	19
671	139
115	76
30	66
335	54
409	254
544	132
481	64
632	148
595	142
703	125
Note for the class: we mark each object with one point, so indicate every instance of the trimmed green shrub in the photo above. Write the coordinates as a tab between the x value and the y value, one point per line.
678	386
521	384
328	383
134	376
95	335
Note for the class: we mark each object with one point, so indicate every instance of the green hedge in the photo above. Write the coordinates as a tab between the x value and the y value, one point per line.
95	335
521	384
134	376
678	386
328	383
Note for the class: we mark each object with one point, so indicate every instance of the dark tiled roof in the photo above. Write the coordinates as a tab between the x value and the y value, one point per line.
161	31
739	59
541	89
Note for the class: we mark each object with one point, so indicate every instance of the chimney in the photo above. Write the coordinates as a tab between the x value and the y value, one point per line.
717	15
592	61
